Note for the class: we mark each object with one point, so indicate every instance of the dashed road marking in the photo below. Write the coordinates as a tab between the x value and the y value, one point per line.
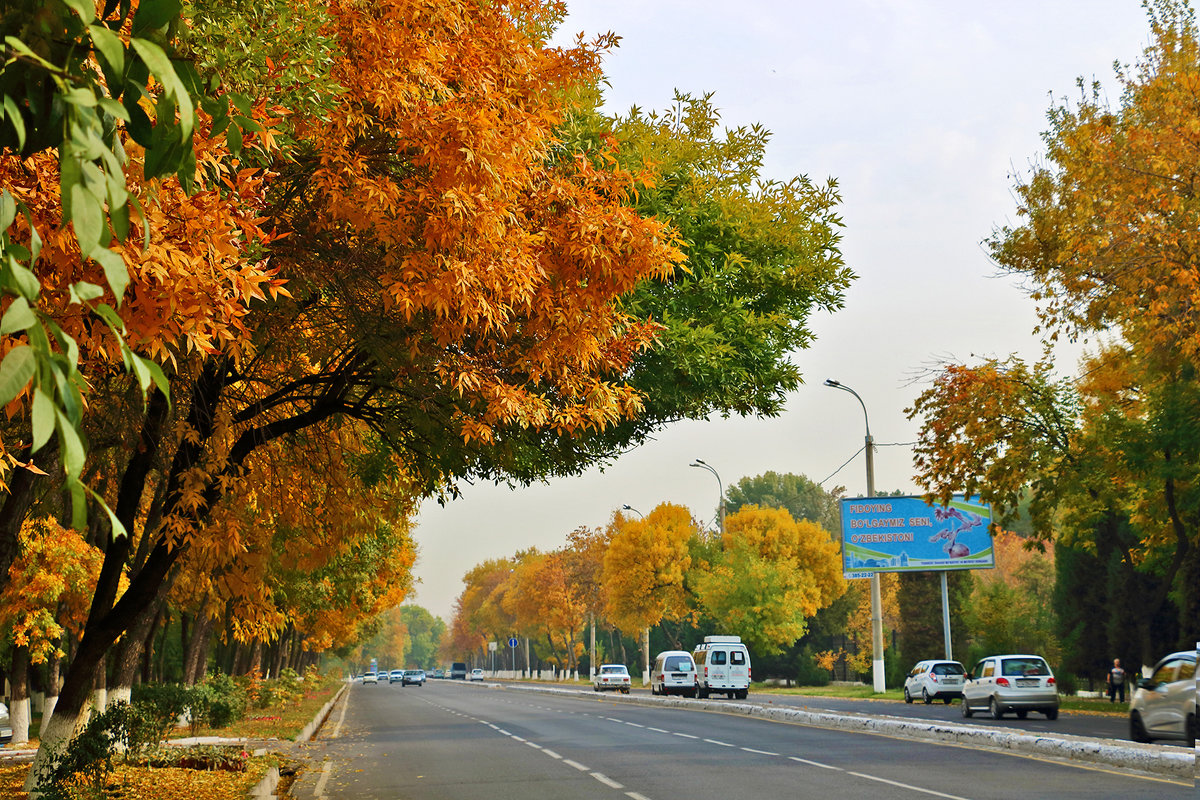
634	724
760	752
551	753
684	735
636	796
657	730
575	764
714	741
607	781
534	745
816	764
906	786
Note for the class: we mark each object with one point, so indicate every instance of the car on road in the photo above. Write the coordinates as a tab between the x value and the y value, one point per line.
1011	683
439	673
722	666
413	677
674	673
458	671
1164	704
5	724
476	674
396	676
613	677
934	680
370	677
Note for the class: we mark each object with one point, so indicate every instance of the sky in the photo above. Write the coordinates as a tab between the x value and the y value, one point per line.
925	112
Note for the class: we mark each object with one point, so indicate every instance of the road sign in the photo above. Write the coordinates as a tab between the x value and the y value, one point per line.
905	534
512	642
492	646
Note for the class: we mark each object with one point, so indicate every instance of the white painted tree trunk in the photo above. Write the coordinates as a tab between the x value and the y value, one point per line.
55	735
47	713
18	714
119	694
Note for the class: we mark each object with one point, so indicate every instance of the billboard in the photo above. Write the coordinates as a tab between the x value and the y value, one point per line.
906	534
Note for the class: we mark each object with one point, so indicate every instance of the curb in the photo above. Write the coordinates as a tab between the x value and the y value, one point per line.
1170	763
311	728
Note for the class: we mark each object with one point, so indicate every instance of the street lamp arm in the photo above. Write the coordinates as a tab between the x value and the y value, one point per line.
836	385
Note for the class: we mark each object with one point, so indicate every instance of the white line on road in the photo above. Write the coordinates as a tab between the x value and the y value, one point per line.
907	786
534	745
607	781
337	729
320	790
657	730
634	724
501	730
576	765
760	752
636	796
516	738
614	719
685	735
550	752
815	763
714	741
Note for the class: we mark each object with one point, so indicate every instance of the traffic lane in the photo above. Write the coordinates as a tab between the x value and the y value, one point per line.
1098	726
394	743
662	752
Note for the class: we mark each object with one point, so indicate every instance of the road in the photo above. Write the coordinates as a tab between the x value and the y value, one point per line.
452	740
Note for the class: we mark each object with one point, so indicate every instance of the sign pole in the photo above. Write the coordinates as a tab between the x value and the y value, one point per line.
946	617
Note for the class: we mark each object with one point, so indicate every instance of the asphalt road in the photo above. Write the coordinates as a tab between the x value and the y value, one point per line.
454	740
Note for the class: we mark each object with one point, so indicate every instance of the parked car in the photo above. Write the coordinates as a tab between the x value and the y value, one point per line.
396	676
1018	683
414	677
612	676
5	724
370	677
477	674
1164	704
934	680
439	673
722	665
674	673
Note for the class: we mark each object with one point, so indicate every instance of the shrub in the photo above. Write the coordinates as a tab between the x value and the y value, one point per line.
226	701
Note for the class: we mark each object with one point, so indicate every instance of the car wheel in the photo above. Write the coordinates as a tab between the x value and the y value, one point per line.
703	693
624	690
966	709
692	694
596	688
946	700
741	695
997	712
1022	713
925	696
1137	731
1190	733
1051	713
907	696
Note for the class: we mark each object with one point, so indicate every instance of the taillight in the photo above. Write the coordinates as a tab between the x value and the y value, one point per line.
1049	681
1002	681
706	672
933	678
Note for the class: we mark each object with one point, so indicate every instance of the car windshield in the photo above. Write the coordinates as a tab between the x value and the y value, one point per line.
678	664
1024	666
948	669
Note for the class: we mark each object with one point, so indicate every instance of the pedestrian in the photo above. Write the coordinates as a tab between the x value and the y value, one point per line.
1116	681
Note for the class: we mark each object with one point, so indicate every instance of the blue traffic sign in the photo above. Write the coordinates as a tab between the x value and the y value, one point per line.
512	642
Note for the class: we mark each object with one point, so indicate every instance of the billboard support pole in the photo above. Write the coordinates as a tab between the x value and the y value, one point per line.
946	617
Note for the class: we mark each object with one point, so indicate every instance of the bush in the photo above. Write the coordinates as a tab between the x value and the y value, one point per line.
226	701
160	704
808	672
1067	683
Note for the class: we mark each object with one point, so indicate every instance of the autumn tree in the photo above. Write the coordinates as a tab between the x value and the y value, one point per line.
424	636
769	576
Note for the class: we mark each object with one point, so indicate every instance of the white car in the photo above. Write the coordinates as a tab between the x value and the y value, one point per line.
1017	683
476	674
5	725
934	680
370	677
1164	705
612	676
674	673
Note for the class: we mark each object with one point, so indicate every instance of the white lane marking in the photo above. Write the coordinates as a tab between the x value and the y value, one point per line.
685	735
634	724
614	719
714	741
576	765
501	730
657	730
607	781
337	729
325	770
550	753
906	786
516	738
533	745
760	752
636	796
815	763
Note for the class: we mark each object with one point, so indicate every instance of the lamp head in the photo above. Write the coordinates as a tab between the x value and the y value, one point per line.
833	383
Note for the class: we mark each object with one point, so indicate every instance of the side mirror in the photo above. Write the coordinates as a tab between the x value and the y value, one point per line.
1145	683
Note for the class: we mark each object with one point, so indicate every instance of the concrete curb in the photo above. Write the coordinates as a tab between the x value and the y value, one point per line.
1157	760
311	728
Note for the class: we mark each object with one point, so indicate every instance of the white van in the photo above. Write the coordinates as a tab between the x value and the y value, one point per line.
674	673
722	665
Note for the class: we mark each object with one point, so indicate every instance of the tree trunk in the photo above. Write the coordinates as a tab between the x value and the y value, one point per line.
100	686
19	707
128	657
21	484
148	647
195	661
53	681
256	659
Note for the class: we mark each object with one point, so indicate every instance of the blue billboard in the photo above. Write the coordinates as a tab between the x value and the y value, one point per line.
906	534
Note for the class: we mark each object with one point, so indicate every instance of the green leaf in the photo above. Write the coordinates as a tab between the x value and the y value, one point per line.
24	281
80	97
114	109
233	138
84	292
108	44
160	65
14	117
18	317
111	317
158	376
115	271
8	210
118	530
78	502
154	14
86	217
73	454
85	9
15	372
43	418
119	217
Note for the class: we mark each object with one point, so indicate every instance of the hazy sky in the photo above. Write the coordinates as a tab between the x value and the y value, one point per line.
922	111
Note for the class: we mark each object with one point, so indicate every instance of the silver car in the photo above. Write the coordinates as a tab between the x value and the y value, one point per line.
5	724
1164	705
1018	683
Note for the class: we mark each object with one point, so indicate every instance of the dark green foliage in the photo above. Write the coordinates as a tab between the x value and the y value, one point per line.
801	497
919	630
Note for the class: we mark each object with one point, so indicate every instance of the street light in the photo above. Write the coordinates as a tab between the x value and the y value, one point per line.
876	599
634	510
720	492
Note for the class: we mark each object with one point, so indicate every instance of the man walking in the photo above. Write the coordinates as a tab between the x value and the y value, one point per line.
1116	681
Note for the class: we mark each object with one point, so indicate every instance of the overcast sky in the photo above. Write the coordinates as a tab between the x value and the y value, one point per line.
922	110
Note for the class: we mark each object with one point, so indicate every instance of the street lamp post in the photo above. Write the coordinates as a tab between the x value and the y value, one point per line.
634	510
645	633
876	599
720	492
